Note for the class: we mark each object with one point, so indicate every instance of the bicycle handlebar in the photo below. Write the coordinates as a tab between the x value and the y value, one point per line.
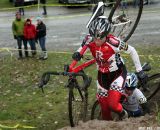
46	76
71	71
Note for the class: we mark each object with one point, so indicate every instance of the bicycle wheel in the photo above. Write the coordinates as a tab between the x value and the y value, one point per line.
77	106
125	16
153	86
96	111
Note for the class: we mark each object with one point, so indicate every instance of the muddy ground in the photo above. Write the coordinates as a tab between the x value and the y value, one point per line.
127	124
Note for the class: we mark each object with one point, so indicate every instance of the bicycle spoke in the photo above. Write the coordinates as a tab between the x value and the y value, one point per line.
126	18
77	107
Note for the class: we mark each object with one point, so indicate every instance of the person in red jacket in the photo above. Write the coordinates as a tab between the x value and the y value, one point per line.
30	35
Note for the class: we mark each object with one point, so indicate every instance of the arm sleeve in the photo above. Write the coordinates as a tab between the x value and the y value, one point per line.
118	45
134	55
82	50
140	97
14	28
84	45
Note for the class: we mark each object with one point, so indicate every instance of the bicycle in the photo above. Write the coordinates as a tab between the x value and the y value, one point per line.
124	18
150	89
77	95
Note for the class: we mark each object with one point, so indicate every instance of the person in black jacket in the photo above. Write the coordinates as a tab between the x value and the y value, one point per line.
41	37
44	7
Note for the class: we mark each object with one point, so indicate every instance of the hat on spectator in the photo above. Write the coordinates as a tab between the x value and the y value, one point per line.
39	18
28	20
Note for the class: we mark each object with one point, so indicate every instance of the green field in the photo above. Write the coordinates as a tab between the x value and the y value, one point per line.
22	102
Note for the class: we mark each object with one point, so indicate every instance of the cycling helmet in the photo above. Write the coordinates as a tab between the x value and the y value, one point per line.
131	81
100	27
97	11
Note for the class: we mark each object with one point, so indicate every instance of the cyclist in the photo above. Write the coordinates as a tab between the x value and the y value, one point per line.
135	102
105	49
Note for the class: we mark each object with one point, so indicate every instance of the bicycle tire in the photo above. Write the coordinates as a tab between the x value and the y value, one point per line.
153	86
133	20
79	111
96	111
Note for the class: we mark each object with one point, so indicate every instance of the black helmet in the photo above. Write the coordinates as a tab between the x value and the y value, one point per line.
100	27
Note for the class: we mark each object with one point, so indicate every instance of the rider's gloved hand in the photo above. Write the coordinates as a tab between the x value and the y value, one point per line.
143	77
76	56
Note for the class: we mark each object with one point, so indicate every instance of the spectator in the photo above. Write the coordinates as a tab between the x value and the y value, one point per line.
20	4
44	7
17	29
41	37
30	35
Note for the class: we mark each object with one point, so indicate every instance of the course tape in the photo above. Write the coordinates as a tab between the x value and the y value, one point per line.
14	8
13	49
69	16
7	50
18	126
63	52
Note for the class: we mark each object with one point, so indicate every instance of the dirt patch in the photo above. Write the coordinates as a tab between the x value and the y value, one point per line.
127	124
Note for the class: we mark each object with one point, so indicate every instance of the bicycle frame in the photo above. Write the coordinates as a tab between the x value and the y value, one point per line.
74	69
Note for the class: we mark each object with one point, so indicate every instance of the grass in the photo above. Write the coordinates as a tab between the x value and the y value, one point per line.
22	102
5	4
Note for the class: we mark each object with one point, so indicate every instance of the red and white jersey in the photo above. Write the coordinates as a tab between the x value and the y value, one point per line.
107	55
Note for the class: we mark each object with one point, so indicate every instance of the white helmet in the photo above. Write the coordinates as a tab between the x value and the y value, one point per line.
131	81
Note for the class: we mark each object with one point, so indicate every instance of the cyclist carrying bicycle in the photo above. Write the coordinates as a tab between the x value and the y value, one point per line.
105	49
135	102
